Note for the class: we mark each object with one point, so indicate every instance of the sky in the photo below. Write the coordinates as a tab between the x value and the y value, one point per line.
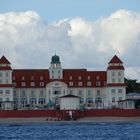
84	33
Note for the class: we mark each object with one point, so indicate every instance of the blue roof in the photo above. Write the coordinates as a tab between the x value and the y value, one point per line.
133	94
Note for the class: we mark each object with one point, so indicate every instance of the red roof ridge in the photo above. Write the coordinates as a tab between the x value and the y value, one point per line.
83	69
30	69
97	71
115	59
4	60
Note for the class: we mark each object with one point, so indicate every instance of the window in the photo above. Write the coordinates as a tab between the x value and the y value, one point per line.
1	91
15	93
41	101
7	74
70	77
113	90
41	84
113	73
7	91
88	83
7	81
79	77
0	81
32	77
0	99
119	90
7	99
97	83
23	84
32	102
14	78
32	84
81	100
41	92
0	74
79	83
89	92
119	80
113	99
56	84
120	98
14	83
88	77
97	78
59	72
23	78
71	91
23	102
23	93
32	93
41	77
80	92
70	83
113	80
119	74
98	92
130	103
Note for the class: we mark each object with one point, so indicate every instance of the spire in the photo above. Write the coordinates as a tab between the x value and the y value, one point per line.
5	64
115	59
115	64
4	60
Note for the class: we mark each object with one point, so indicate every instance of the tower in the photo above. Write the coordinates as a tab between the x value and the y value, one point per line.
116	89
55	69
115	71
6	86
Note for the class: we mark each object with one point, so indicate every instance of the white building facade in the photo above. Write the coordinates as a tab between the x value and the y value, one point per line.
42	88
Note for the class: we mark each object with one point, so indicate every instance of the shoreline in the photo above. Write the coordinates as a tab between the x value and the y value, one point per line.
42	120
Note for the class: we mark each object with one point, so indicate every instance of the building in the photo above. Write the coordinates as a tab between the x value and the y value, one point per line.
42	88
132	101
69	102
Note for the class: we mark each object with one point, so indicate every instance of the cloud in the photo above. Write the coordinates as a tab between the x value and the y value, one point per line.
29	42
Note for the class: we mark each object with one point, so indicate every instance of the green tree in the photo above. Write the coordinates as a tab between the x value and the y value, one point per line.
132	85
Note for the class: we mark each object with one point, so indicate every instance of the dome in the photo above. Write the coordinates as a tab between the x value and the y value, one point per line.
55	60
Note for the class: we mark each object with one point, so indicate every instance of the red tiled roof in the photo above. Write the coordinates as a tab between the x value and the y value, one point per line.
74	73
4	60
84	74
27	74
115	59
95	76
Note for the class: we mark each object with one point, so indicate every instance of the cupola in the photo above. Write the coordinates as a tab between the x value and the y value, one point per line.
55	59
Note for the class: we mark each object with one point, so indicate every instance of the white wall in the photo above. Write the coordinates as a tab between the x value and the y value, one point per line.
4	96
69	103
116	76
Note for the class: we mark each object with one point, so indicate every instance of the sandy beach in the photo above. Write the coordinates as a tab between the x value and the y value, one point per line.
49	120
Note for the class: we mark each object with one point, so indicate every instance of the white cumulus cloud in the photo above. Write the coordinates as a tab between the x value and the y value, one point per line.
29	42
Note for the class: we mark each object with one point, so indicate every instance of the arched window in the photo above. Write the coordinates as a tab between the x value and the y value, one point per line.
89	100
41	101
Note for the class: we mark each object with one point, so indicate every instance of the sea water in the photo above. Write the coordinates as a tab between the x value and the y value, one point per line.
71	131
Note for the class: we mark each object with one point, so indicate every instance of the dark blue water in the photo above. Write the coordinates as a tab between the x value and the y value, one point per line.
71	131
